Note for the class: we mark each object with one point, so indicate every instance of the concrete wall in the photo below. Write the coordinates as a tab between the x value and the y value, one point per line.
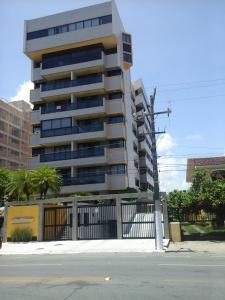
23	217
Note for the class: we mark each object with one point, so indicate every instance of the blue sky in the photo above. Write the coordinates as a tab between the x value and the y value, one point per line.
178	47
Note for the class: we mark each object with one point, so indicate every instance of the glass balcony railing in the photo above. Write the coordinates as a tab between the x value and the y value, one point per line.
73	106
66	155
84	179
72	130
67	83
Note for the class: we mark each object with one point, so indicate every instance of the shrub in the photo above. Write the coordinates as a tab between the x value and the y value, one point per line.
21	235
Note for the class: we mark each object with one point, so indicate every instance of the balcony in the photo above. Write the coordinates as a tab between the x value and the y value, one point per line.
82	157
114	83
115	106
35	95
36	74
84	183
88	107
67	86
116	130
59	135
95	183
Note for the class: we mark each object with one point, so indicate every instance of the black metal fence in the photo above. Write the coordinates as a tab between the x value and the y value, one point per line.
97	222
57	223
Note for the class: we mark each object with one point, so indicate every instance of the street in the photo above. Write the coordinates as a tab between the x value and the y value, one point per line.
113	276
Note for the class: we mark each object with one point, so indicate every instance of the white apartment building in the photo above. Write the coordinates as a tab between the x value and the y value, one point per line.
84	103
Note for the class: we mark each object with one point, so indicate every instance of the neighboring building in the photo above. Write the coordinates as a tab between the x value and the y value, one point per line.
14	134
144	137
216	166
84	103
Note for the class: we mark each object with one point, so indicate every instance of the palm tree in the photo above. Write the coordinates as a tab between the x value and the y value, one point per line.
45	179
20	184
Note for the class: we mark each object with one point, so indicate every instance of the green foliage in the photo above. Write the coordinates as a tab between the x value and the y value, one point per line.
20	184
21	235
4	180
205	194
46	179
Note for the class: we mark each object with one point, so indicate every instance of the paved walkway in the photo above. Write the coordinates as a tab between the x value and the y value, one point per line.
69	247
198	246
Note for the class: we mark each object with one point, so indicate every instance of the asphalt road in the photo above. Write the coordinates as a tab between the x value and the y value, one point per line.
113	276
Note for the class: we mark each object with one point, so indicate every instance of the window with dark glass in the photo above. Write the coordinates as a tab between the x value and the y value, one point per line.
127	57
113	72
69	27
56	123
117	169
110	51
117	144
126	47
126	38
118	95
115	119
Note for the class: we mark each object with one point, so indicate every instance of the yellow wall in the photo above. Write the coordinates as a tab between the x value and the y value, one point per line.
21	217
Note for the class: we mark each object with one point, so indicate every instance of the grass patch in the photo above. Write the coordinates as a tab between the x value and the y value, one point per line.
21	235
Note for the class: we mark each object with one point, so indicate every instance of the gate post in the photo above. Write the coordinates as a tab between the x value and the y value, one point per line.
41	222
74	222
5	222
119	218
165	220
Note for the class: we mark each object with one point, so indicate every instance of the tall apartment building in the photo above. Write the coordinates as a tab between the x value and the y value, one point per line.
84	102
14	134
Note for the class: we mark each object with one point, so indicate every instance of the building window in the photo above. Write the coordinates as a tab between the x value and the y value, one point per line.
127	57
56	123
115	119
113	73
113	96
110	51
118	169
127	48
87	24
117	144
126	38
69	27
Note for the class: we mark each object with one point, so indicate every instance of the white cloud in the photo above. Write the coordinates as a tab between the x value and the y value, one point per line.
23	92
194	137
165	143
170	177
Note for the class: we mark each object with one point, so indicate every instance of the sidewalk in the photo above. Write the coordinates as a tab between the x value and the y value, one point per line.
69	247
197	246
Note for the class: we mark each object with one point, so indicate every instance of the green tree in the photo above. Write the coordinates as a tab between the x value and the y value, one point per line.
177	201
20	185
46	179
4	180
212	198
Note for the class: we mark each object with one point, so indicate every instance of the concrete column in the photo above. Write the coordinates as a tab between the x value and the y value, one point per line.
5	222
119	218
75	220
175	231
41	222
165	220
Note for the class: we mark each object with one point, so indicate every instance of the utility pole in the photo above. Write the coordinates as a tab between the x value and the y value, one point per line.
156	195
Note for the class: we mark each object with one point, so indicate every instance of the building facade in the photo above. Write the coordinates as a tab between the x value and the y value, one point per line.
14	134
215	165
84	102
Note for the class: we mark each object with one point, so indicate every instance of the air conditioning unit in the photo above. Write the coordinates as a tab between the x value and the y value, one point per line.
58	107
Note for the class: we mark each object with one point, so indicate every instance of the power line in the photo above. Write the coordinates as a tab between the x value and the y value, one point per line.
190	87
192	98
191	82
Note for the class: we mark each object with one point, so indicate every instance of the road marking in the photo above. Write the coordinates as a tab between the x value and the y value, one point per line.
29	265
189	265
54	280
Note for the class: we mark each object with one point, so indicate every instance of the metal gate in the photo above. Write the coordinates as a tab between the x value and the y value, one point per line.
97	222
57	223
138	220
